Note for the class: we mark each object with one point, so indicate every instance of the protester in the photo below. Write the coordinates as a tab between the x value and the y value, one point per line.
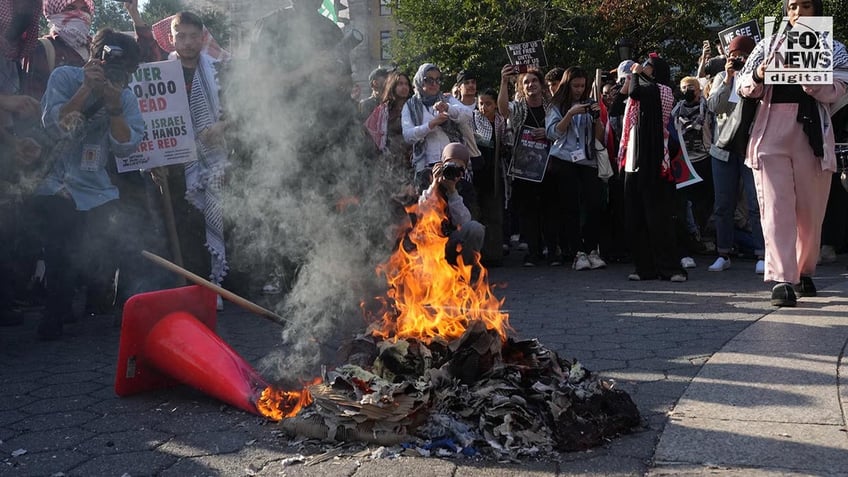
68	43
835	226
649	185
573	124
93	113
19	22
729	168
526	119
791	152
553	78
692	128
196	186
466	81
384	124
430	123
377	81
490	177
465	235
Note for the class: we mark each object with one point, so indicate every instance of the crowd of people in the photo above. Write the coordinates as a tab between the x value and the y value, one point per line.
548	164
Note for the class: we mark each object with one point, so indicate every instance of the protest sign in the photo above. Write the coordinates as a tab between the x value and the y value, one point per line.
750	28
527	54
681	165
163	102
799	54
530	157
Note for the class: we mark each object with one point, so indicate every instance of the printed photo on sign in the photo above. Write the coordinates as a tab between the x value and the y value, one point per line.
530	157
800	54
168	133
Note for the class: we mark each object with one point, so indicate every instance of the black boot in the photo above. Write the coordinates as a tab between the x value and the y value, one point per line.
806	287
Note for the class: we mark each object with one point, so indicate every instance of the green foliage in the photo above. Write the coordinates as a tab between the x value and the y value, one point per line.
457	34
216	21
111	14
156	10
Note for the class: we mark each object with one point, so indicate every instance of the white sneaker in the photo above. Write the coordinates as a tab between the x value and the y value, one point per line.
595	260
687	262
760	267
581	262
721	264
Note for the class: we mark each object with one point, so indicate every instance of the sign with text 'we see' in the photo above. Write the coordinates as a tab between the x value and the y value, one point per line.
799	54
168	133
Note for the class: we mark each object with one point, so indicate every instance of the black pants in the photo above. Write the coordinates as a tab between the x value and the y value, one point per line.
649	214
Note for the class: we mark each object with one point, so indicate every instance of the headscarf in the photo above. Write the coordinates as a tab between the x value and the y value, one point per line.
19	33
73	27
662	72
818	7
418	81
162	35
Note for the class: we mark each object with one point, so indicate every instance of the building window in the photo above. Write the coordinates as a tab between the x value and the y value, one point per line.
385	8
385	45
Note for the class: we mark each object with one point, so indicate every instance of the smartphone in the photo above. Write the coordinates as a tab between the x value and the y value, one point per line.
520	68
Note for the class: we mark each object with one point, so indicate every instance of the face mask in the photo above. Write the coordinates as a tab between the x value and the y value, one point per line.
689	95
72	27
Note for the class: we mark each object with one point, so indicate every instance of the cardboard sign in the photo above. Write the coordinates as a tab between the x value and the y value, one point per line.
163	102
531	53
750	28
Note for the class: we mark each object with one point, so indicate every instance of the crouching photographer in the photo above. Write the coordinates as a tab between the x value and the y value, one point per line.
92	115
449	187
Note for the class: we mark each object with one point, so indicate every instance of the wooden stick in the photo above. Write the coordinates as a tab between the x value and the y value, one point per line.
226	294
171	226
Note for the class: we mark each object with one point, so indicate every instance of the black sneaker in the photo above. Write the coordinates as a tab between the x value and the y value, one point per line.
806	287
783	295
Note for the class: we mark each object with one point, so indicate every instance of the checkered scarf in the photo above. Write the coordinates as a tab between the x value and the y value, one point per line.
17	48
52	7
631	121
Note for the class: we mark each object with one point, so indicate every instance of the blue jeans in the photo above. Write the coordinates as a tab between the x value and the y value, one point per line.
726	177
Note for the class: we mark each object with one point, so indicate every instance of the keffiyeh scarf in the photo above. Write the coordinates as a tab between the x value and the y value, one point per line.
205	177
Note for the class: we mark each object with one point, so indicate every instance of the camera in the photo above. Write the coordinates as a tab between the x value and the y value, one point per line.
738	63
589	102
452	171
113	65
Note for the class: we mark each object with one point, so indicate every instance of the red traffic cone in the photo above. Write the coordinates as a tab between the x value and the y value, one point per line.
168	337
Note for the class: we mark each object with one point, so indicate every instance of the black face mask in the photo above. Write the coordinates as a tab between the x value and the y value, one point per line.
689	95
20	23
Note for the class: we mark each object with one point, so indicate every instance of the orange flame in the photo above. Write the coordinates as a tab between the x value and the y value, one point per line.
428	297
276	404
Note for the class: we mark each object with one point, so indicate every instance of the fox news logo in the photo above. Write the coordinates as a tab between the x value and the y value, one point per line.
802	54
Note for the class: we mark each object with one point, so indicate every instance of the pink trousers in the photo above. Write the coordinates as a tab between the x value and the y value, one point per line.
792	189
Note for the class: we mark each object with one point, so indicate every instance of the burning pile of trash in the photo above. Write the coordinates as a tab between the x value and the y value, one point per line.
437	367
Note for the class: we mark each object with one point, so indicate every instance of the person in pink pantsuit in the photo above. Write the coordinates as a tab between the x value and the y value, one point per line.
791	153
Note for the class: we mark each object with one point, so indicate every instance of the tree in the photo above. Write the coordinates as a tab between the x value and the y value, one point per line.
472	34
111	14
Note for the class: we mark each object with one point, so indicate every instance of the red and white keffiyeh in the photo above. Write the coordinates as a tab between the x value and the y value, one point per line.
17	48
